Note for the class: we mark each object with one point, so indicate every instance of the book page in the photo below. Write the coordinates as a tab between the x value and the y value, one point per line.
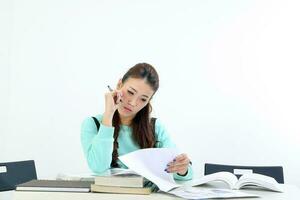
226	177
258	180
206	193
76	177
151	163
118	172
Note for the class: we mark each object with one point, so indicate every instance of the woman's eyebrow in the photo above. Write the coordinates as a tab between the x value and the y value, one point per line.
136	91
133	89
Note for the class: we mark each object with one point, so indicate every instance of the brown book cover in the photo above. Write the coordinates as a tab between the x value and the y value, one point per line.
55	186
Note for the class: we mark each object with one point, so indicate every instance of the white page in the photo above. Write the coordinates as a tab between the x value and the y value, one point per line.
76	177
118	171
225	177
258	180
206	193
151	163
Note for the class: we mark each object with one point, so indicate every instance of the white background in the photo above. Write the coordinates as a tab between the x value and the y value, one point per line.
229	74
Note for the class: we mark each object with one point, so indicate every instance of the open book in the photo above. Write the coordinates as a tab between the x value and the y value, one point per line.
245	180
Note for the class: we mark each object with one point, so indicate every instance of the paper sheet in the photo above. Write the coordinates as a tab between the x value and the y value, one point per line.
206	193
151	163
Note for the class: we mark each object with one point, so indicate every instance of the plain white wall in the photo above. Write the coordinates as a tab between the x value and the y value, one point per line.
5	39
229	77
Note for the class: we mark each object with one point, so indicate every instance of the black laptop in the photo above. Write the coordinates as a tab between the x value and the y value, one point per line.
14	173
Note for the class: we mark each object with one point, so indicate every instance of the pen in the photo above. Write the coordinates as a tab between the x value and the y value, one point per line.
115	97
109	88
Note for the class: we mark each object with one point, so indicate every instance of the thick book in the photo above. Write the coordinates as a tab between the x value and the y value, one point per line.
55	186
120	190
246	180
123	178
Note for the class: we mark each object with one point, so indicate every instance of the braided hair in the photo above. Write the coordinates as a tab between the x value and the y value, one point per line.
141	127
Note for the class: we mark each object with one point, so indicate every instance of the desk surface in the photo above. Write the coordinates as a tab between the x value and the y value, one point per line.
290	193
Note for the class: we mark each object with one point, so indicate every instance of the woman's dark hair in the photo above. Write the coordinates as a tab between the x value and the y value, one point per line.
141	126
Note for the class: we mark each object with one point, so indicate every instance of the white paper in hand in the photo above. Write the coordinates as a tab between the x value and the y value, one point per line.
151	164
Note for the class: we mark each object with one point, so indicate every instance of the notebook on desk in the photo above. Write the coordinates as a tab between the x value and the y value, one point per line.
55	186
14	173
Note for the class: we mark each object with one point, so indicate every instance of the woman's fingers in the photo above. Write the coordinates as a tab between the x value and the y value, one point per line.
117	96
180	157
112	101
183	162
179	164
177	169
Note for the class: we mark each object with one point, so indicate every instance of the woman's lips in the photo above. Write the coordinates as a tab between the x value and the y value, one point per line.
127	109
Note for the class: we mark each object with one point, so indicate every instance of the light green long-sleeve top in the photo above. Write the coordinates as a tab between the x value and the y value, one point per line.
98	145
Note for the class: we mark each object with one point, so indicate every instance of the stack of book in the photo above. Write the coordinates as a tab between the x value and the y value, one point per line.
120	183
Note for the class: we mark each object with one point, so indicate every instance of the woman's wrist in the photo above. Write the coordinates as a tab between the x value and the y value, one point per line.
184	174
107	119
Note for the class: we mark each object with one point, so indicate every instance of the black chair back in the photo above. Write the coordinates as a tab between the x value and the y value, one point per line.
14	173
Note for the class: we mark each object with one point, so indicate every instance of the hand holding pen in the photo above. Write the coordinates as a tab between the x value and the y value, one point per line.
116	95
112	103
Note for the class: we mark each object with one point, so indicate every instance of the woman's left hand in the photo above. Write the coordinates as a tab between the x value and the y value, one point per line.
179	165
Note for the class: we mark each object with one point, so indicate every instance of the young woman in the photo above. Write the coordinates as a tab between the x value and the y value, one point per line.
126	126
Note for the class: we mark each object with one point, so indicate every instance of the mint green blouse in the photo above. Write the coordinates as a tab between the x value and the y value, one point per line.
98	145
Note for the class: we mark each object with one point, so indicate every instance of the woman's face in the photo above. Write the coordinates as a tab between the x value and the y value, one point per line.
136	95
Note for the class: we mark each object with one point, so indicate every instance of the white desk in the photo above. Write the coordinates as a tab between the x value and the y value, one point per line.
6	195
290	193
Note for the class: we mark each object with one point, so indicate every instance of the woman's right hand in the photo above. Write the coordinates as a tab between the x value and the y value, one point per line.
112	103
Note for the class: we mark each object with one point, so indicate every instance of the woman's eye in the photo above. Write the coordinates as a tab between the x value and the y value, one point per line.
129	92
144	100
